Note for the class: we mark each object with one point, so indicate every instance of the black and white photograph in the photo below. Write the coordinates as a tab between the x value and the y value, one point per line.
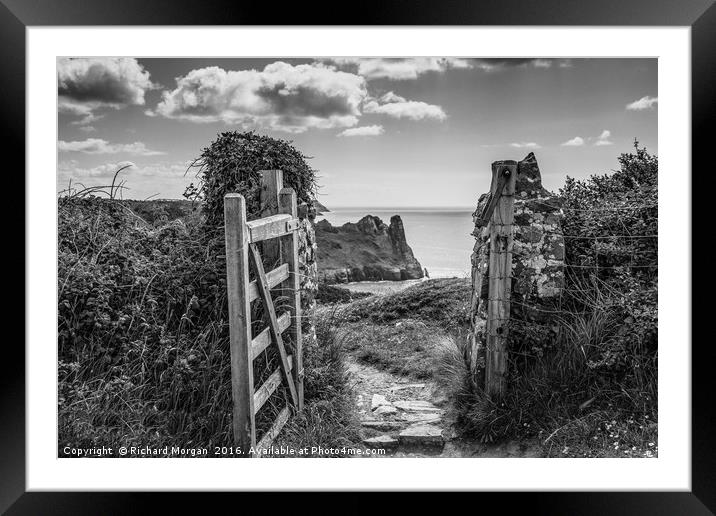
357	257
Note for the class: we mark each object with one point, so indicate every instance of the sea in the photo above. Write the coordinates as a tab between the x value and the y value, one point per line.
440	238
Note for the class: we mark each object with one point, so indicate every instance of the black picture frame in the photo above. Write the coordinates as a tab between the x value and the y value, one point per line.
700	15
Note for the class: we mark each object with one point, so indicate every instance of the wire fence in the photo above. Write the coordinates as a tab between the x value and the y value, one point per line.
593	264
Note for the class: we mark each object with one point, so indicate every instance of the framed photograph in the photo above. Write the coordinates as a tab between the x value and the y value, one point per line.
430	239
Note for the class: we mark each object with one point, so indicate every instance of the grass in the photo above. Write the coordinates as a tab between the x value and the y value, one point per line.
559	401
440	302
400	332
405	348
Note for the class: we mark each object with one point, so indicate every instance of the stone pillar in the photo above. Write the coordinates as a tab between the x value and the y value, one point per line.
537	265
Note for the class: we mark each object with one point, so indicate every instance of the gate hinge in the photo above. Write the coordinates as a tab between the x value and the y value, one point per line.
292	225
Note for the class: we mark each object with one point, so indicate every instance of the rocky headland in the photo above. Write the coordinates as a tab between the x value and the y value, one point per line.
367	250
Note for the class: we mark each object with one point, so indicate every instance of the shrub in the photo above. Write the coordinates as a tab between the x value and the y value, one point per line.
611	228
232	163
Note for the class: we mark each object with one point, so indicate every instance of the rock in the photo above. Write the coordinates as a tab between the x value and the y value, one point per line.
385	410
384	442
422	435
384	426
416	406
378	400
368	250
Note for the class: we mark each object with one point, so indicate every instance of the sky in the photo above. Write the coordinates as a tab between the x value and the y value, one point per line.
381	132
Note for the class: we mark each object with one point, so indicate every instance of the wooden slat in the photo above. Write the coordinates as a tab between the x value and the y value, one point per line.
237	282
263	339
276	276
265	294
272	432
273	226
270	385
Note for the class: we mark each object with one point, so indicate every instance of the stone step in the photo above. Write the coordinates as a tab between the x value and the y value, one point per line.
416	406
384	442
384	426
422	435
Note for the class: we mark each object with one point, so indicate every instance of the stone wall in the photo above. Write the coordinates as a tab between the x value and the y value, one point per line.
537	263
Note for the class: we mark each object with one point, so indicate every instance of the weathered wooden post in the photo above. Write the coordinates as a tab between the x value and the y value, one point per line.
292	286
277	199
271	185
237	285
502	189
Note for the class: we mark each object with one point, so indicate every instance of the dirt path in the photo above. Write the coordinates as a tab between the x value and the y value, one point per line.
409	419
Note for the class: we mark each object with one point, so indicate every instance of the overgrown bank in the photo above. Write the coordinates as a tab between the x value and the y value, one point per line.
142	332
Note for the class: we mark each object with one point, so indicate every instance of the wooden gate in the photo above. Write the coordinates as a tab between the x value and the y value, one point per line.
279	234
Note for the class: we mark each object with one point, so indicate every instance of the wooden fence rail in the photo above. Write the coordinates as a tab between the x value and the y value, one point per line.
278	233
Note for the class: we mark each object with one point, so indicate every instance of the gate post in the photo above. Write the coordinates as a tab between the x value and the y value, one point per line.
500	277
237	286
271	185
292	287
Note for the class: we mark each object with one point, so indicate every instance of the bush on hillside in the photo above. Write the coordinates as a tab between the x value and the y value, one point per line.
232	163
611	227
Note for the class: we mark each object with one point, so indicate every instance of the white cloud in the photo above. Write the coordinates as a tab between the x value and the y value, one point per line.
525	145
643	103
167	178
498	64
603	139
577	141
398	68
88	84
398	107
366	130
71	168
99	146
281	96
598	141
167	169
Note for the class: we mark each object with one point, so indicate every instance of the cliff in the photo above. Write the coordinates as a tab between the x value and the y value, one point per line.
368	250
